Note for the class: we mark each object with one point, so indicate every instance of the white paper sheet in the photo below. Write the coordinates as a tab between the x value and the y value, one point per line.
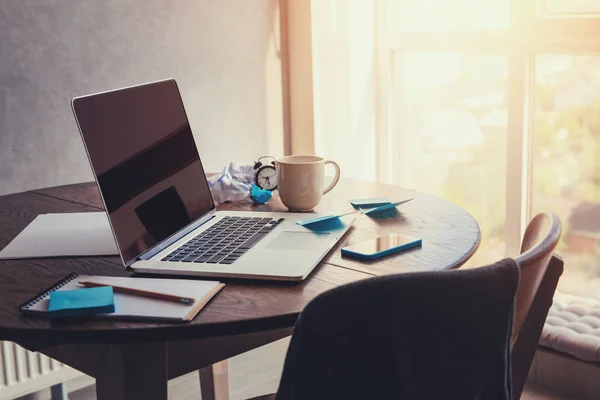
64	234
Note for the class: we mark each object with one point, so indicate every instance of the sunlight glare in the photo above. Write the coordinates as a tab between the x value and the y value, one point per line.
444	15
431	69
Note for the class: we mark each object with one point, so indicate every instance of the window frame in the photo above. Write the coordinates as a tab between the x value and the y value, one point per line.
529	33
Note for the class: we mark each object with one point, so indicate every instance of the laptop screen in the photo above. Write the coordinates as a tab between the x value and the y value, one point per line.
143	154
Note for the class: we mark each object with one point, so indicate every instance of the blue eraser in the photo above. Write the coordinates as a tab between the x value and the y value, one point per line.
88	301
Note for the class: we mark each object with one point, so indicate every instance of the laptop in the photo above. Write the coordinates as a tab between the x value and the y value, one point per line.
156	195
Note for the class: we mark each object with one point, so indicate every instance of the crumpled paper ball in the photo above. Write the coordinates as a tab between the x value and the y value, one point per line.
232	184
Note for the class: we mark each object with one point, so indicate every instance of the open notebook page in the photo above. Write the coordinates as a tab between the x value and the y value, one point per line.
129	306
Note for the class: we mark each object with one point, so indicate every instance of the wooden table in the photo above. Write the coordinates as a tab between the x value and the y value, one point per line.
135	360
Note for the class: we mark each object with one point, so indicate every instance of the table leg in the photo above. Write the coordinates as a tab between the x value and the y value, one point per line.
214	381
133	371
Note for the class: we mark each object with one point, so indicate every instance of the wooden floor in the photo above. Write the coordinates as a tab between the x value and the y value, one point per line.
257	372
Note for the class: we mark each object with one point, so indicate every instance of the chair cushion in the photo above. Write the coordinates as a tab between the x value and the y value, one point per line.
573	326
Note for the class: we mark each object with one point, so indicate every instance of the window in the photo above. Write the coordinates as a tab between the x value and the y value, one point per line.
566	161
494	105
450	123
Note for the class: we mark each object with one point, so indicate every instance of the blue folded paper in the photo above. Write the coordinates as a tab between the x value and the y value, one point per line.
366	203
321	220
326	223
376	210
260	196
332	222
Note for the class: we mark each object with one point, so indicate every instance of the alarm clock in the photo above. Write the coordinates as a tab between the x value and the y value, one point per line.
266	174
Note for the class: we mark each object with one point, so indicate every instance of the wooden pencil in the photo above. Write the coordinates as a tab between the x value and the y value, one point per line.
144	293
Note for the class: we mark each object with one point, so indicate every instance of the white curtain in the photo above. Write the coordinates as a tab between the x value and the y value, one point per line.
343	35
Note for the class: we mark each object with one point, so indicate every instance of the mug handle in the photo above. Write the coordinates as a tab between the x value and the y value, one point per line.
335	179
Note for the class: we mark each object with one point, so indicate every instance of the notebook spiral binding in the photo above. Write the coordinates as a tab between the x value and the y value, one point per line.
46	292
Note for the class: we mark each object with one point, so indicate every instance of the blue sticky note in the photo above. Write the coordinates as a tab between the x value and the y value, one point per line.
366	203
383	208
88	301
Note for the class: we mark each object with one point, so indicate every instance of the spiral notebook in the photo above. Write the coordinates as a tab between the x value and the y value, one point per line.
133	307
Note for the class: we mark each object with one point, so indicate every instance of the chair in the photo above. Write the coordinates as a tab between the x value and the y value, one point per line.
539	269
443	334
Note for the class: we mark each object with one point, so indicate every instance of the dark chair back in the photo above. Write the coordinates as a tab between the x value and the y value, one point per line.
540	271
427	335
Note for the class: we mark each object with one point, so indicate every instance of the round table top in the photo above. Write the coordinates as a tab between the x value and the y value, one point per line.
450	237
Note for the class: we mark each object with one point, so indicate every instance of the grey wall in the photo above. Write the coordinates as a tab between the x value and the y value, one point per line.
222	53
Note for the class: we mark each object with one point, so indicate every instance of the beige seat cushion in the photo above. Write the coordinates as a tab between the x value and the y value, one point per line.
573	327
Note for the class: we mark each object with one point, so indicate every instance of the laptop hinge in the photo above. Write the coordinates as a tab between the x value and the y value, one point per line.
172	239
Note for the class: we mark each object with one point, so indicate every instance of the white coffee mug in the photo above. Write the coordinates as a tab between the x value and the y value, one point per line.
300	181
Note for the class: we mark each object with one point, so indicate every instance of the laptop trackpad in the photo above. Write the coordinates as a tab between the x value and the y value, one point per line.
289	240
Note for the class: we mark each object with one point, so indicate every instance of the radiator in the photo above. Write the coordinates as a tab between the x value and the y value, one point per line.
23	372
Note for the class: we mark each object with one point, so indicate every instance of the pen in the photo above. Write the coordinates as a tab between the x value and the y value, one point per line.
144	293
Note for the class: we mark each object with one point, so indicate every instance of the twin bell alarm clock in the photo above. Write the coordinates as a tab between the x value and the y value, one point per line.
266	174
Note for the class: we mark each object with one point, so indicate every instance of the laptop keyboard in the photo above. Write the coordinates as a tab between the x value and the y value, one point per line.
225	241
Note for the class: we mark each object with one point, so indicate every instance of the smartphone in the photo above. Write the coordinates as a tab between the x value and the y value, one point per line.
380	247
